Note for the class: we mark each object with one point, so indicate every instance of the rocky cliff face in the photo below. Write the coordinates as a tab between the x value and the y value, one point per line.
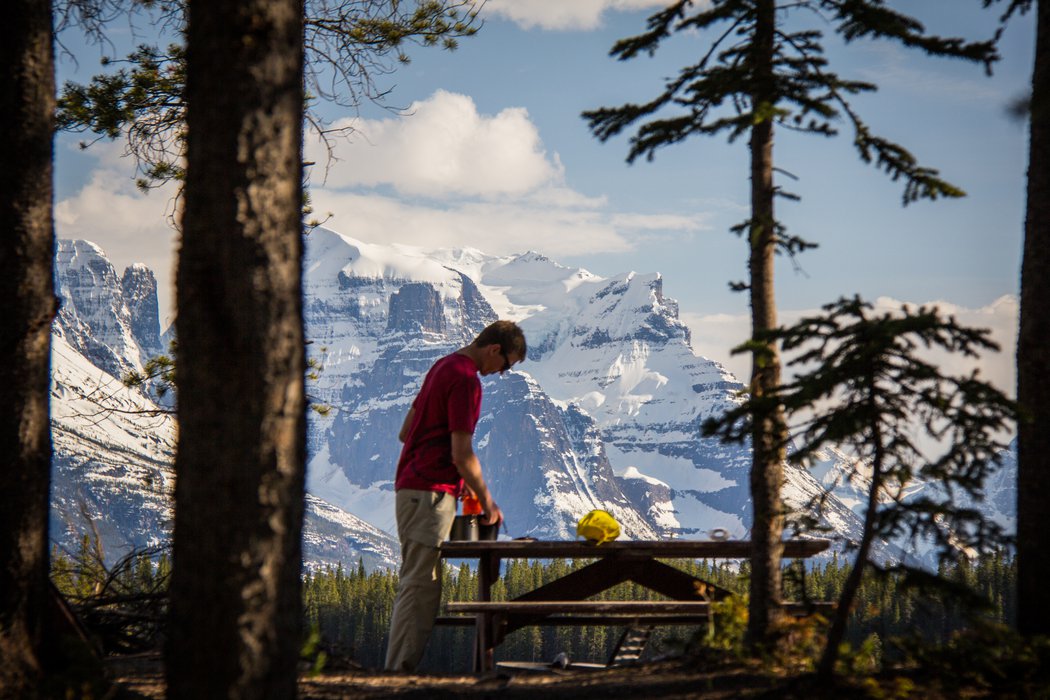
140	296
114	447
113	453
93	316
605	413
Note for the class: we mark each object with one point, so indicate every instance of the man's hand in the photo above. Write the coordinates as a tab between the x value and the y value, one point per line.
469	468
492	516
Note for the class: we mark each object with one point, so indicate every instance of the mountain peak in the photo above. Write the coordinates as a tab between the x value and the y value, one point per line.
94	316
605	413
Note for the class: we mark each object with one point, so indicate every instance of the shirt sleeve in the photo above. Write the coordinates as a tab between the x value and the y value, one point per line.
464	404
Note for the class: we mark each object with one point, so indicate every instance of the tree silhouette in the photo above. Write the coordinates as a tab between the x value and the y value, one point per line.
27	85
1033	355
350	46
864	386
1033	343
235	587
765	68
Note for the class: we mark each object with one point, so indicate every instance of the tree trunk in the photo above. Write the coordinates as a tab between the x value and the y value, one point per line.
27	248
767	433
235	592
840	618
1033	356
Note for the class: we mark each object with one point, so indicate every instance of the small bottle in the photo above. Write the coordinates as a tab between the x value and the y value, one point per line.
471	505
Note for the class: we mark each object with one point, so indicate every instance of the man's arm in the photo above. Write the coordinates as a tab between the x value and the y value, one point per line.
469	467
403	433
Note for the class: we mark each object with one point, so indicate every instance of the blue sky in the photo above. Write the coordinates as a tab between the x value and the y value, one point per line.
492	153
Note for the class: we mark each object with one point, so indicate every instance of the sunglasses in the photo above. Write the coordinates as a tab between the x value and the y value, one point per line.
506	360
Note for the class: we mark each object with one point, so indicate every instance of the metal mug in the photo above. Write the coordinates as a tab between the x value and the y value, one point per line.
469	528
464	527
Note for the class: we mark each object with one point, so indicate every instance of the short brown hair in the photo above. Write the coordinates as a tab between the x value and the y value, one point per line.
506	334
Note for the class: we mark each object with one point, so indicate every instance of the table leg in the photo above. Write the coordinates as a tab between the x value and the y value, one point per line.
481	642
484	645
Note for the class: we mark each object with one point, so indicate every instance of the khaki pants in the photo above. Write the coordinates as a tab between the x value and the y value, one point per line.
424	519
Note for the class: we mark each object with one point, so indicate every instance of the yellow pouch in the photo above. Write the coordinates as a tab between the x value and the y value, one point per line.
598	527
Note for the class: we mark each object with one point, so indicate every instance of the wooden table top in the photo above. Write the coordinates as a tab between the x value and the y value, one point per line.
652	549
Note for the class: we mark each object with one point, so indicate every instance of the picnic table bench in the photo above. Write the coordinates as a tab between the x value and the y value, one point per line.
564	601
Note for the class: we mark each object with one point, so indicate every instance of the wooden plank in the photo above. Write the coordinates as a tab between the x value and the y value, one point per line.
607	607
671	582
601	575
606	573
485	637
659	549
582	620
548	607
456	620
582	583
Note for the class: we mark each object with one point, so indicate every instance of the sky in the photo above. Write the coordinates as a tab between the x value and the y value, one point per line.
484	147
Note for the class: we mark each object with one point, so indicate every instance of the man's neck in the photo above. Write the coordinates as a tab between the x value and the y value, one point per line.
473	353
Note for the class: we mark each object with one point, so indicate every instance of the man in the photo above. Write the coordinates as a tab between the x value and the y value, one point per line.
436	459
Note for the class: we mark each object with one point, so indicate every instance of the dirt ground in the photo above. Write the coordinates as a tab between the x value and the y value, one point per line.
137	678
144	678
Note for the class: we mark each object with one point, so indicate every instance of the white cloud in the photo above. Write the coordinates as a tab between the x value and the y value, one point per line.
442	176
494	227
442	147
660	222
563	14
461	178
1000	317
714	335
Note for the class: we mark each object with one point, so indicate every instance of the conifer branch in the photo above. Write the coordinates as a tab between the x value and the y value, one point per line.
1013	7
349	45
862	18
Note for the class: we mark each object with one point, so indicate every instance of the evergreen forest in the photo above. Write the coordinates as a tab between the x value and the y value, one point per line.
347	610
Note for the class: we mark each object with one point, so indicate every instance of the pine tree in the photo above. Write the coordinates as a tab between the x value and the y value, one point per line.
349	45
235	593
1033	342
864	387
27	243
762	70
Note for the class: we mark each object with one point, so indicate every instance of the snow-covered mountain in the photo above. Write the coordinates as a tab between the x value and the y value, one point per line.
113	446
1000	491
849	479
94	313
604	413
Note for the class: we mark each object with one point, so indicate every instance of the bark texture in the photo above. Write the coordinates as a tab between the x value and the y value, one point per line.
1033	357
235	595
27	93
767	435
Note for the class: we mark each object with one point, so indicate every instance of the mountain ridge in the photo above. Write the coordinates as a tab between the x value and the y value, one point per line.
114	446
605	413
610	380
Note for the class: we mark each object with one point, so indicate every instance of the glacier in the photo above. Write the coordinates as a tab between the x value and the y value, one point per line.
604	413
112	474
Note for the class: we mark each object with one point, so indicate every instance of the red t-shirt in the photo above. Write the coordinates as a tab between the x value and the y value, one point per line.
450	400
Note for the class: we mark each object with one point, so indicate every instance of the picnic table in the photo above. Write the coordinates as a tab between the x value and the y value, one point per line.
565	601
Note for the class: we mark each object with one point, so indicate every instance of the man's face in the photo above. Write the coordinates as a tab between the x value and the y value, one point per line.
494	360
